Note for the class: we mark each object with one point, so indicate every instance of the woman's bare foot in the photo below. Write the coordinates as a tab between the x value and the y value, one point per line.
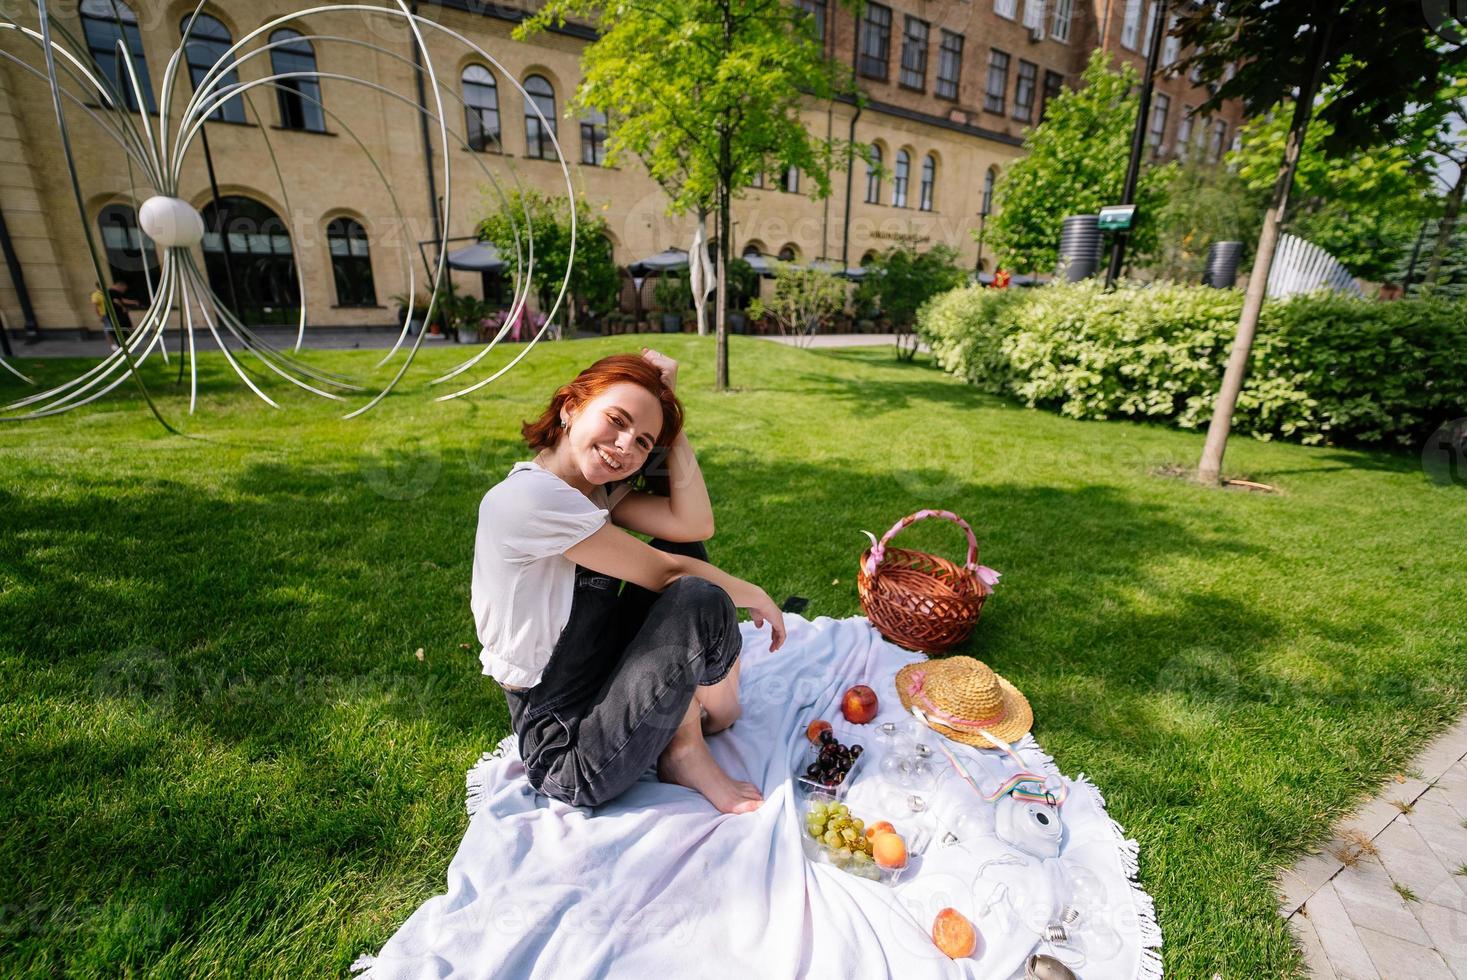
687	762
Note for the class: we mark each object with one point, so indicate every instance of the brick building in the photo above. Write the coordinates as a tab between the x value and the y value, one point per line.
951	86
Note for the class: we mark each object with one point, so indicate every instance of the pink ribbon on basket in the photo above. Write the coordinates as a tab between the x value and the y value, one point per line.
986	575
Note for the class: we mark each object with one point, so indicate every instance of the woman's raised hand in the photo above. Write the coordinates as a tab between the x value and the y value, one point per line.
764	608
664	364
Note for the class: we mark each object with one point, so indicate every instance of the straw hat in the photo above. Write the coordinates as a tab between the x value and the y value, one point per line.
961	696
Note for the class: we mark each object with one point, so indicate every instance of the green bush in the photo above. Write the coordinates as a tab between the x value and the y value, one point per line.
1324	368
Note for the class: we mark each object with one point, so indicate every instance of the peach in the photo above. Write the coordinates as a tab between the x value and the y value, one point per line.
879	827
816	727
889	850
954	934
859	704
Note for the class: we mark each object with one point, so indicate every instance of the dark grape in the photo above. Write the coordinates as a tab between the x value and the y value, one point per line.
856	751
838	778
826	737
812	771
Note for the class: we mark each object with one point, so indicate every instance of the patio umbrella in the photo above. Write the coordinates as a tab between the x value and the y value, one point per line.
664	261
759	262
478	257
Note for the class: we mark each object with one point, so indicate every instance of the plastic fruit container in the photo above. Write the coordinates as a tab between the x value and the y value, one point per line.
809	787
820	853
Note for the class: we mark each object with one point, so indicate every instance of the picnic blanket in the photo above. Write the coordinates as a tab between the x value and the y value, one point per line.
657	884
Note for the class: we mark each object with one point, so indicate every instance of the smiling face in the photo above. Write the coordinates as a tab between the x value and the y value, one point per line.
610	436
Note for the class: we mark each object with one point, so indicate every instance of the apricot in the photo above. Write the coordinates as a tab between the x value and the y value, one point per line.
889	850
954	934
879	827
816	727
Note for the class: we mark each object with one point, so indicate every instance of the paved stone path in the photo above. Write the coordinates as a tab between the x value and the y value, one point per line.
1387	898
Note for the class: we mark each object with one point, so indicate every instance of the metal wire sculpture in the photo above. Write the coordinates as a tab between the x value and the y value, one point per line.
157	149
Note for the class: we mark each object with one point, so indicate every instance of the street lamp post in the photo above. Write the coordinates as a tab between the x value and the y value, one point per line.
1138	140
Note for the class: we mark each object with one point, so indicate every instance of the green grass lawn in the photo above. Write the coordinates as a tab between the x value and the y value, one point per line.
222	755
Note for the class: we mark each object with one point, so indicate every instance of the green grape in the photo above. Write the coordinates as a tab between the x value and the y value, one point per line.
848	834
858	825
862	857
832	838
817	810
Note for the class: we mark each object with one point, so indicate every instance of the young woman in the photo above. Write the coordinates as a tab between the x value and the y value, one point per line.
614	655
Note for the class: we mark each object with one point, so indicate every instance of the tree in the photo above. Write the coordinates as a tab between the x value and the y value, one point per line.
594	280
707	93
1074	163
901	280
1448	141
804	298
1203	203
1362	206
1381	59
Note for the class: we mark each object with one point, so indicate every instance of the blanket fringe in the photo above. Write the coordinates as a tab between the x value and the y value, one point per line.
476	779
1149	965
364	962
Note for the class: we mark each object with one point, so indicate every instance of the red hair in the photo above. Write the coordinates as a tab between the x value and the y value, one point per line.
545	432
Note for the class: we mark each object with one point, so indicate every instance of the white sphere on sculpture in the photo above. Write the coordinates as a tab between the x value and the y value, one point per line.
171	222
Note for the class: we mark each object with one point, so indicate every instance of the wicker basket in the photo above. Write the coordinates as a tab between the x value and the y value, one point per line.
921	601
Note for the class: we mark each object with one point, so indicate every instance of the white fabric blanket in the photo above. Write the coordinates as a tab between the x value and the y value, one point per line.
657	884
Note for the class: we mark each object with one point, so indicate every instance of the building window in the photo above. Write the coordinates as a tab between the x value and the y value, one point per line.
1173	45
208	45
1219	140
899	179
1184	132
299	96
998	81
789	181
1159	106
1131	26
929	180
914	54
816	11
1059	24
757	180
351	263
873	176
875	41
989	179
105	22
1150	23
949	65
481	108
788	253
1054	84
593	139
258	270
1024	90
1006	8
539	133
1034	17
129	251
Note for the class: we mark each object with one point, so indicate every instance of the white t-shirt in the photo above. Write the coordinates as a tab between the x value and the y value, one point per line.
522	583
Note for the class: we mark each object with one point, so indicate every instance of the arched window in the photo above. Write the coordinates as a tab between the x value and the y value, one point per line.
899	180
252	262
988	181
481	108
873	176
539	136
129	251
753	248
593	138
208	44
789	253
105	22
929	179
351	263
299	96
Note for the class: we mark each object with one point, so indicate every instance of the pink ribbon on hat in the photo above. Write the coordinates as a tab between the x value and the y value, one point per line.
916	682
